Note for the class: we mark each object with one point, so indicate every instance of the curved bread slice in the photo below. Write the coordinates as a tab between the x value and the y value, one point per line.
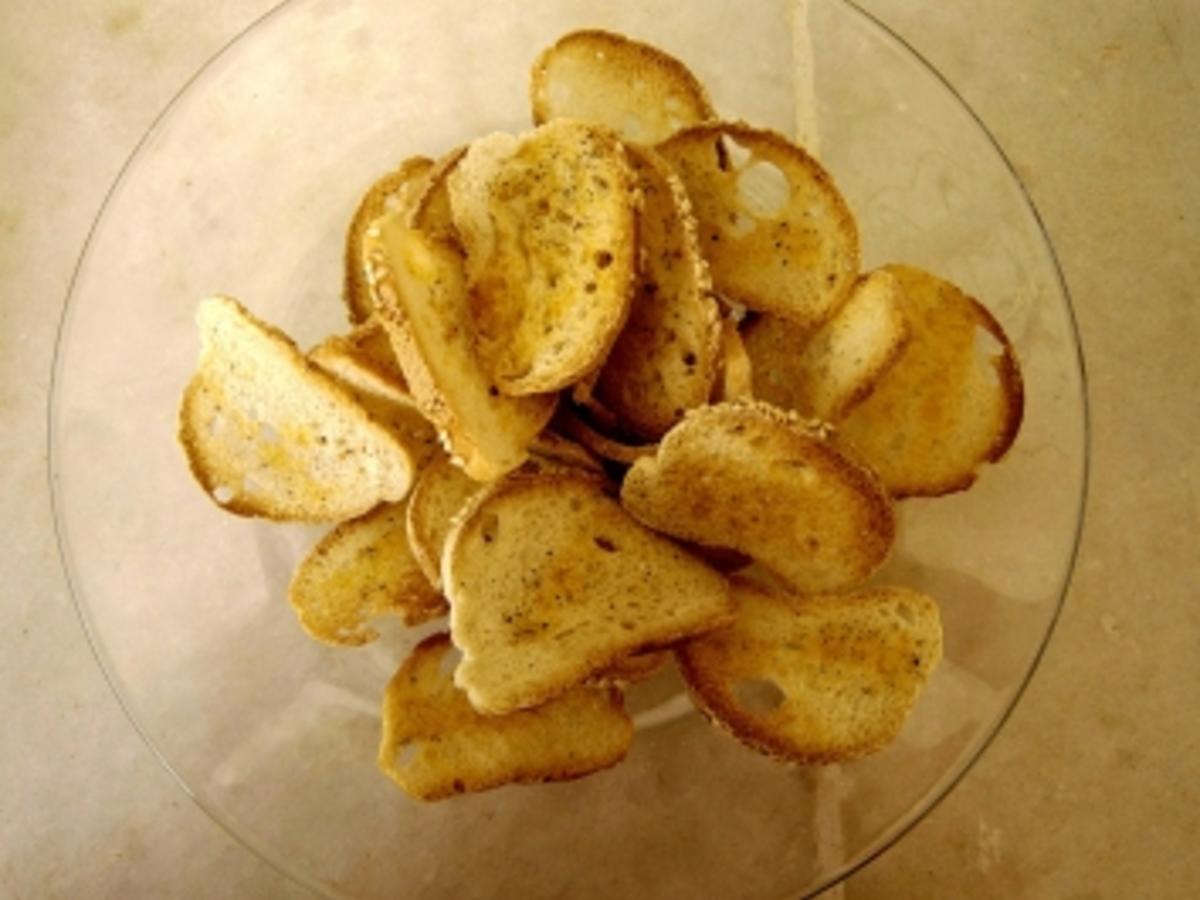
747	477
362	568
665	360
826	372
431	211
420	297
396	190
735	371
952	401
548	222
269	434
441	492
434	745
550	581
642	93
816	679
778	236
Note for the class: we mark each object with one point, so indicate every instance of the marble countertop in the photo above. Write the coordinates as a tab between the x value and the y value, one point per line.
1092	790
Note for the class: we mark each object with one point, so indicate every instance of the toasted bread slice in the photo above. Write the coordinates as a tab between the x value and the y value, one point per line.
431	211
642	93
815	679
605	447
778	236
362	568
441	491
748	477
269	434
550	581
735	371
420	298
434	745
952	401
824	373
548	222
396	190
665	360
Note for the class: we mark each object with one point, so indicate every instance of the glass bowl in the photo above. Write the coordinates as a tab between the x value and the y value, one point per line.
245	185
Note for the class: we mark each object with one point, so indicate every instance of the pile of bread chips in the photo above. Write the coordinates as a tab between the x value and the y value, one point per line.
616	392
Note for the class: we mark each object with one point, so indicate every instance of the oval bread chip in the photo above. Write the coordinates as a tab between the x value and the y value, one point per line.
778	236
642	93
362	568
815	679
441	491
434	745
550	581
548	222
748	477
952	401
267	433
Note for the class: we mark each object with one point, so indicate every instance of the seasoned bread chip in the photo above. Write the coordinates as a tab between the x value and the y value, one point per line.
735	371
642	93
431	211
420	298
441	491
362	568
952	401
268	434
778	236
665	360
434	745
396	190
825	372
815	679
550	581
748	477
548	222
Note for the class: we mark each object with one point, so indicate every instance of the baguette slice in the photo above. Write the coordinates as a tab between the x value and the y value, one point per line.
665	360
748	477
548	222
396	190
440	493
452	749
420	298
816	679
826	372
362	568
642	93
953	400
550	581
778	236
268	434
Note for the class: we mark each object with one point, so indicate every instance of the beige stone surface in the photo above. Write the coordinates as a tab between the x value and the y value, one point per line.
1092	790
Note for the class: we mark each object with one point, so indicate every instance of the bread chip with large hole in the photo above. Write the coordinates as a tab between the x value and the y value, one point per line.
548	222
952	401
664	361
435	745
748	477
362	568
778	236
421	299
269	434
824	373
816	679
550	581
642	93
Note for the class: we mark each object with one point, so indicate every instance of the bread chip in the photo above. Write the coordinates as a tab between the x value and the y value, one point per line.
557	449
633	668
450	748
420	298
735	372
431	210
602	445
439	494
952	401
550	581
815	679
778	236
362	568
548	222
665	360
748	477
825	372
642	93
396	190
268	434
